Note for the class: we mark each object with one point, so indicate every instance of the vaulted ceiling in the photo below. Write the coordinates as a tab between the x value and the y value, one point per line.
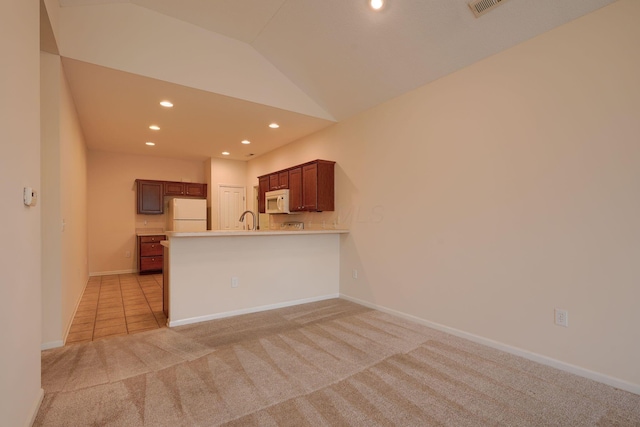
234	66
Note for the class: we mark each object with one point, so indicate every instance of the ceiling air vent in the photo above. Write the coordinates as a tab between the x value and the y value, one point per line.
480	7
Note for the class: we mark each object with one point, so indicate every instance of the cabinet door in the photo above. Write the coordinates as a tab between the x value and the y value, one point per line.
173	189
310	187
263	187
150	199
325	186
279	180
194	189
273	182
295	189
283	179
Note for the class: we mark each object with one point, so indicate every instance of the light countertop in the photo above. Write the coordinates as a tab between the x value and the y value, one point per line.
224	233
149	232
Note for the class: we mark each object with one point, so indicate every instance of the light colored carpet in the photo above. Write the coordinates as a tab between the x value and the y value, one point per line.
331	363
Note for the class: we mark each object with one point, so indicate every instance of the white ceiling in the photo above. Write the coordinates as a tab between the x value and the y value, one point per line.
343	55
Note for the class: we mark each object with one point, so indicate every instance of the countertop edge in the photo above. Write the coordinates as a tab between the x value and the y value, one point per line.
218	233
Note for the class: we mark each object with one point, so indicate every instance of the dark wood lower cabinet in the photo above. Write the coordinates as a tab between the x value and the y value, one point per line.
165	283
150	254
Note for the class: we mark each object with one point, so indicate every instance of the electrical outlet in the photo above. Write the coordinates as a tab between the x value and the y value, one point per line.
354	273
127	254
234	282
562	317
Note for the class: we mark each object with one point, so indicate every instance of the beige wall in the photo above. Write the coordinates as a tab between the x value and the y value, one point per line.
73	196
483	200
112	217
64	204
20	292
50	200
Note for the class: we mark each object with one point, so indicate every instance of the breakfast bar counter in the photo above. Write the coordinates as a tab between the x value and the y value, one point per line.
215	274
269	232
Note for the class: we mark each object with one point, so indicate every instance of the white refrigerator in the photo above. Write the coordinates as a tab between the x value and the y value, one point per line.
187	215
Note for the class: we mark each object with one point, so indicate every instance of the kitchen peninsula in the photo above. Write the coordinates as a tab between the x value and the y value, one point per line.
215	274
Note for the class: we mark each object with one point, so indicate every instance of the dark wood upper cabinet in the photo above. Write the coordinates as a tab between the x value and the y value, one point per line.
279	180
325	185
263	187
173	189
150	194
317	186
273	182
185	189
194	189
295	189
150	197
311	186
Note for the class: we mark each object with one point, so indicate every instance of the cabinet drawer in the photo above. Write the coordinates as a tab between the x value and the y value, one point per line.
151	263
150	249
150	239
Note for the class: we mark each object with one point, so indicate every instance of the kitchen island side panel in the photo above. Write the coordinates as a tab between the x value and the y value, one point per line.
270	271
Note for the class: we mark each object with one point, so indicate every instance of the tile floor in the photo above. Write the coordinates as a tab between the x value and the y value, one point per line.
118	305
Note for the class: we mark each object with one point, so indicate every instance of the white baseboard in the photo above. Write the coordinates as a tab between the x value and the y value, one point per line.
36	408
109	273
249	310
60	343
544	360
51	344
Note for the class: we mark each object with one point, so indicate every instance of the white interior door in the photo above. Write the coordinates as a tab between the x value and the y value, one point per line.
231	204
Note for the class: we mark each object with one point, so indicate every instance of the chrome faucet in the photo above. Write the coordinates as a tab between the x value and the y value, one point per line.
252	215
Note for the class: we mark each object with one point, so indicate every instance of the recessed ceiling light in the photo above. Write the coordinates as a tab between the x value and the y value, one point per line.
150	143
376	4
154	127
225	153
274	126
167	104
246	142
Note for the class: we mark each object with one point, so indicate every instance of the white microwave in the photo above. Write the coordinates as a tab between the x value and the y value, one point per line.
277	202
